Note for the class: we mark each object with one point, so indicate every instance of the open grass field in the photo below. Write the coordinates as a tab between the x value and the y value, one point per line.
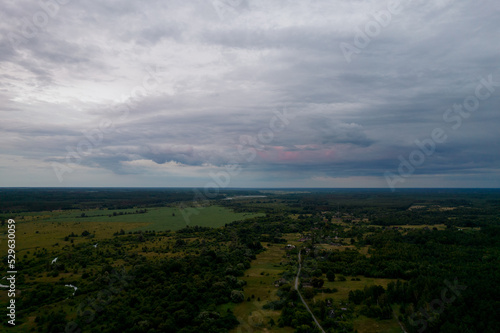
260	284
361	324
420	226
49	229
50	235
368	325
344	287
158	218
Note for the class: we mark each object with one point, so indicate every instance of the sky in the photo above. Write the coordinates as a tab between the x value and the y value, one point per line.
250	93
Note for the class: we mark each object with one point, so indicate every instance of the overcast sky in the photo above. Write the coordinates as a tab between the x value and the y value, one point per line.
248	93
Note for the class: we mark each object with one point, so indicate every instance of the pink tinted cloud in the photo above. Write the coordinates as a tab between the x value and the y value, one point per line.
279	154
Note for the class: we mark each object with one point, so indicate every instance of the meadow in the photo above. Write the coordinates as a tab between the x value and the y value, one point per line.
158	218
49	230
260	289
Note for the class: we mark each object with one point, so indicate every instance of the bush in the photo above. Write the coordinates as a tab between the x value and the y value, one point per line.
330	275
237	296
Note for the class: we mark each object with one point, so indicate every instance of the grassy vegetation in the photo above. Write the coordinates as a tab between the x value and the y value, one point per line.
51	235
260	288
158	218
344	287
48	230
369	325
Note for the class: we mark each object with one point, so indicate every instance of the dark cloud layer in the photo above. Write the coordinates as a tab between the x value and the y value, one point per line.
125	93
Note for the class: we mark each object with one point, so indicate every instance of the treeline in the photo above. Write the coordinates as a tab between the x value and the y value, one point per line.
137	211
452	280
16	200
461	216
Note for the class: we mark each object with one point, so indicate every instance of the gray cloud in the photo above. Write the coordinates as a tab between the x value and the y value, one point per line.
221	73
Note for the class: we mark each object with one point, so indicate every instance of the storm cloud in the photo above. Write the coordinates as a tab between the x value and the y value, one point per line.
296	93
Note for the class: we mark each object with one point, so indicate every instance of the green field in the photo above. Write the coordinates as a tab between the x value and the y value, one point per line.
260	288
159	219
48	229
370	325
344	287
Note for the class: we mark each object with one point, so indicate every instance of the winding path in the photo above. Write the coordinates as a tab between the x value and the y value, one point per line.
302	298
402	327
